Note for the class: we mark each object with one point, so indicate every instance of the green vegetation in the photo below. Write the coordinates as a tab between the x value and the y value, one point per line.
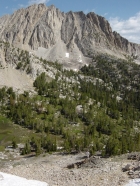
97	108
11	134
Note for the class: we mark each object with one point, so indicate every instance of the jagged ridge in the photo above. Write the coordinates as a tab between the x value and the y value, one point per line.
52	34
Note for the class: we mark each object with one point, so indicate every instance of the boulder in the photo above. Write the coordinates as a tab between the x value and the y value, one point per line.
128	167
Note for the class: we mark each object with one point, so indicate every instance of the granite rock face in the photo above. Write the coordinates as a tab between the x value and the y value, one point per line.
67	37
19	68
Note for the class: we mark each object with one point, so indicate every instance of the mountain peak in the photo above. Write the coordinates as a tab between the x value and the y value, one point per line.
51	34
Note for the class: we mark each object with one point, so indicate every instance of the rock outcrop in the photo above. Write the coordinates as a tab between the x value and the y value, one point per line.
133	166
71	38
92	162
19	68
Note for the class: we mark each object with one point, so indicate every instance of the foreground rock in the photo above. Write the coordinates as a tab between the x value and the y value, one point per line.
132	168
92	162
53	170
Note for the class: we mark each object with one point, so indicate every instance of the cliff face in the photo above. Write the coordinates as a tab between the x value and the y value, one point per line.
65	37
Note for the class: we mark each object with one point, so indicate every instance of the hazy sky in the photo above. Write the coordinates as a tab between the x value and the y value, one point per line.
123	15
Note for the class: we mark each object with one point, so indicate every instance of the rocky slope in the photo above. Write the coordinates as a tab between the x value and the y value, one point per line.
19	68
53	170
70	38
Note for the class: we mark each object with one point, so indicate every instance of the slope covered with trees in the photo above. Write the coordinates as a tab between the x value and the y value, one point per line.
97	108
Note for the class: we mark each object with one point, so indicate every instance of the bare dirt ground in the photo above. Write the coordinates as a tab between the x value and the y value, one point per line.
14	78
53	170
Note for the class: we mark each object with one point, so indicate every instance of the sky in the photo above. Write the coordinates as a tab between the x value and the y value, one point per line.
123	15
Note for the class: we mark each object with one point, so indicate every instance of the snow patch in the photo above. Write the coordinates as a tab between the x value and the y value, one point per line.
67	55
134	182
11	180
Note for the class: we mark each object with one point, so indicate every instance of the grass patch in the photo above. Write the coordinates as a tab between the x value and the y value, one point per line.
2	148
10	131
